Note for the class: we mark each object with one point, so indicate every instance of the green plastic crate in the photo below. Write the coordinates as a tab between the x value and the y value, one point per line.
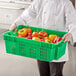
34	49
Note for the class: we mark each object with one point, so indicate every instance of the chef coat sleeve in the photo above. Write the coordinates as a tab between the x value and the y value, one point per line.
70	15
28	15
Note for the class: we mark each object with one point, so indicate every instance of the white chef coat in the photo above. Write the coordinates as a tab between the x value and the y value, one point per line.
51	14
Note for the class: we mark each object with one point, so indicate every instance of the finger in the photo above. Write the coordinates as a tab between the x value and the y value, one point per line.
64	36
15	30
68	38
65	40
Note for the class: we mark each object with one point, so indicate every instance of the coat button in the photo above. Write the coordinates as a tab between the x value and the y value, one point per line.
45	12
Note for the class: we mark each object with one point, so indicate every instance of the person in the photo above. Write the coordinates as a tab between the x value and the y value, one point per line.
51	14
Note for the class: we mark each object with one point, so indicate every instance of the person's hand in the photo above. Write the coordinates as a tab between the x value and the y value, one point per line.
67	37
13	27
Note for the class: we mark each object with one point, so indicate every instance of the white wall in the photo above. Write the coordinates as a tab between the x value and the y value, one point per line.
9	12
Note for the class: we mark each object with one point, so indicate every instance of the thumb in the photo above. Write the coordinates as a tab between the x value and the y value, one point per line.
13	26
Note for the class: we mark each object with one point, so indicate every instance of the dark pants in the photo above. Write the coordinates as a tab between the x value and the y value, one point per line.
50	68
